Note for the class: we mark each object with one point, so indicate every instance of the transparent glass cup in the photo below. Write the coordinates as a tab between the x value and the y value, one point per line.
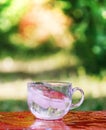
51	100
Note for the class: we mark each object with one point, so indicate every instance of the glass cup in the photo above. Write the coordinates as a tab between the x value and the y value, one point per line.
51	100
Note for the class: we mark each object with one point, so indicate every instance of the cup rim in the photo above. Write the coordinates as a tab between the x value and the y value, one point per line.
49	82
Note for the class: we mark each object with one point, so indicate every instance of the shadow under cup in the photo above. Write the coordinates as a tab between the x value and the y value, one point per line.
51	100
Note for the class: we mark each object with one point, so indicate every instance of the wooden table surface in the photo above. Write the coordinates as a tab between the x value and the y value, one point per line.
74	120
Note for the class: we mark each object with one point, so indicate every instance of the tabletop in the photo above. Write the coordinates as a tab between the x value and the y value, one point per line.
74	120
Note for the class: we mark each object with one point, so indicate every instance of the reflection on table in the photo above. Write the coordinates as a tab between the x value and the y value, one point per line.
49	125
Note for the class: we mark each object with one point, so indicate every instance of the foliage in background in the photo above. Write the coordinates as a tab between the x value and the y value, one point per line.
88	28
11	11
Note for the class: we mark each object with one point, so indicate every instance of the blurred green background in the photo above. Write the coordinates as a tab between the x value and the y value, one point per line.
62	40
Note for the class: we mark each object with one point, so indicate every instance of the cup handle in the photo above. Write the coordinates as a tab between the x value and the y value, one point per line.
81	100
